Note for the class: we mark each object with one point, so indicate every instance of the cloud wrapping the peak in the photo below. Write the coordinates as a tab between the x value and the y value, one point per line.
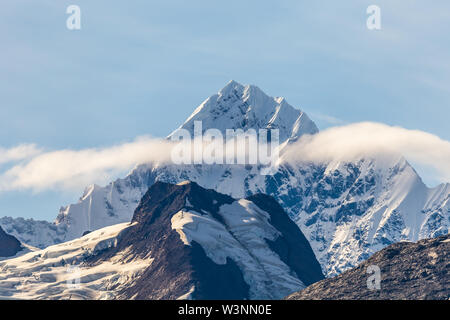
351	142
30	168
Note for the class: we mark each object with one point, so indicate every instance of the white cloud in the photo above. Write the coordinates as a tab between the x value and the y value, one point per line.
74	169
350	142
21	152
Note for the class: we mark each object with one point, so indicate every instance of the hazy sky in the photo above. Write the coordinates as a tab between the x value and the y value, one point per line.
141	67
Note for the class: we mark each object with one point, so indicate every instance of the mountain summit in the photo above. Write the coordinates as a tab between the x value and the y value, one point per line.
247	107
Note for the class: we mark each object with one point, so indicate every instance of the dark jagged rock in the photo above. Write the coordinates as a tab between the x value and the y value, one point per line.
9	245
292	247
409	271
85	233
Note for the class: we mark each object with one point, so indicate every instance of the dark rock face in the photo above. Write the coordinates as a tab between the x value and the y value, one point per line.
9	245
409	271
292	247
85	233
177	268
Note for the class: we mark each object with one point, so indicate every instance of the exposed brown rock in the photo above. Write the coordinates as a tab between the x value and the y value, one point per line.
409	271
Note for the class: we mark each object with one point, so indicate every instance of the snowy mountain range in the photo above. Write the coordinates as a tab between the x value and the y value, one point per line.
184	240
347	210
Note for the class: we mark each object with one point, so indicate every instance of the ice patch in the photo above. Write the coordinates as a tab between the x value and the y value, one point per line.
243	239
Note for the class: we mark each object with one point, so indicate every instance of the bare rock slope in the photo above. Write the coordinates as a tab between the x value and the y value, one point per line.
409	271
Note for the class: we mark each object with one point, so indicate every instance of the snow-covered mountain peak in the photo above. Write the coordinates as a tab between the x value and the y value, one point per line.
231	87
348	208
247	107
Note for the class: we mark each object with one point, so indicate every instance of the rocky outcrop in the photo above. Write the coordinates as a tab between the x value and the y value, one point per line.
408	271
9	245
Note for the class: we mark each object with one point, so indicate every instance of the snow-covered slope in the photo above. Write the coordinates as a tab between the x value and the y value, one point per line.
242	238
61	271
36	233
346	210
185	241
97	208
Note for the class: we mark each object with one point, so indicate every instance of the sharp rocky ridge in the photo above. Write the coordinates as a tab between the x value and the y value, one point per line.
347	210
248	107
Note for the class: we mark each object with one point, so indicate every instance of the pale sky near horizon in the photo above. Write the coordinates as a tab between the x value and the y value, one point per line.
141	67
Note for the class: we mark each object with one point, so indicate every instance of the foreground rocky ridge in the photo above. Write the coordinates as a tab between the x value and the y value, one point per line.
409	271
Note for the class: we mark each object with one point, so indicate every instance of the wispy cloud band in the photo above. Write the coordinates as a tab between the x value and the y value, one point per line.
21	152
32	168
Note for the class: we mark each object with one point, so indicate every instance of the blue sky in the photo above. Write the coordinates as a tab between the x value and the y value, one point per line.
141	67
